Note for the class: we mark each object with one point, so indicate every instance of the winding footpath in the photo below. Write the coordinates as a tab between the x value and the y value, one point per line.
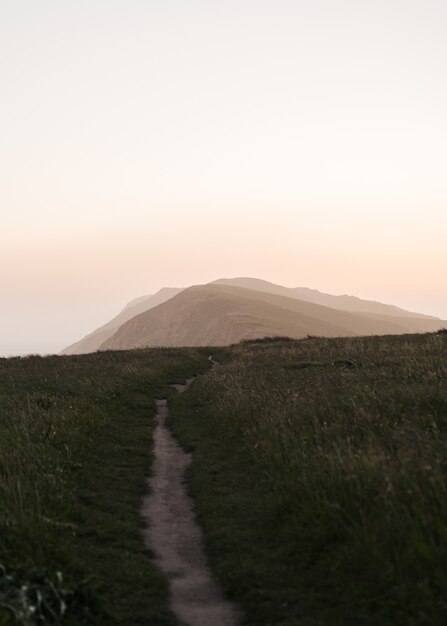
174	536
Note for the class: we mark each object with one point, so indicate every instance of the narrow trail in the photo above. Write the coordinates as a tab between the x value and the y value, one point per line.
174	536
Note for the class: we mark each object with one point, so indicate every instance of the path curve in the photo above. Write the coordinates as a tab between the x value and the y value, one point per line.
174	536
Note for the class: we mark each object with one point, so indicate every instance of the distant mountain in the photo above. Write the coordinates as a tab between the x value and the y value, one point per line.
92	342
342	303
387	317
221	314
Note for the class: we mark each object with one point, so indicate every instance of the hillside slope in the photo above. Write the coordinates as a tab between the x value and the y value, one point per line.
217	314
92	342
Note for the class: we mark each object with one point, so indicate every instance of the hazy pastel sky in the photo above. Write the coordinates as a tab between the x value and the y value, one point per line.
149	143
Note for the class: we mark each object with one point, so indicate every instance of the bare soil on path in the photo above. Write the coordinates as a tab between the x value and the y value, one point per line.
174	536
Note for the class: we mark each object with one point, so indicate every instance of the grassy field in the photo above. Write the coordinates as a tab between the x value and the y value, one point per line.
320	477
75	449
319	473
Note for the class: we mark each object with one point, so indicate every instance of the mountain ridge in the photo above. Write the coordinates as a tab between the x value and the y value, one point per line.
342	302
216	314
371	314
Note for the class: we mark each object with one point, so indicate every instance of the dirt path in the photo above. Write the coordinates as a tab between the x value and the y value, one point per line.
174	536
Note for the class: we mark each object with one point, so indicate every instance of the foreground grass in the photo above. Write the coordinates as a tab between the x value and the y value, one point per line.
320	477
75	449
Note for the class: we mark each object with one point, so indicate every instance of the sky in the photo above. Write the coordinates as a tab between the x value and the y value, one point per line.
148	144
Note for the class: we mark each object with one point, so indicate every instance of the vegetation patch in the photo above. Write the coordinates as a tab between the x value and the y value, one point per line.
39	599
75	452
274	339
322	488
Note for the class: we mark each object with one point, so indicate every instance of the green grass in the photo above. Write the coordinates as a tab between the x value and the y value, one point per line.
75	450
319	473
320	477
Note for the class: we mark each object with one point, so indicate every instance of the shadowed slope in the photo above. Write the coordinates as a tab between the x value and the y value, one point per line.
216	315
